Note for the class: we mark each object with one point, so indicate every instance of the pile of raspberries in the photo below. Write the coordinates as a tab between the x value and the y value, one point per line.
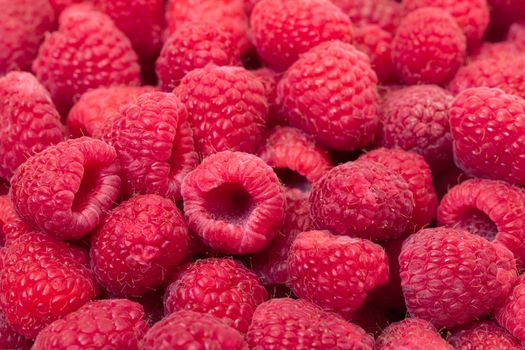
262	174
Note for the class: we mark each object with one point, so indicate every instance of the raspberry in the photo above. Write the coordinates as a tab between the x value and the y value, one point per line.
60	5
374	202
283	29
86	52
390	296
384	13
499	50
154	144
11	226
96	106
331	92
234	202
377	44
509	315
117	324
269	79
516	35
29	122
138	244
9	339
42	280
483	335
192	330
66	189
437	268
428	47
227	108
287	324
411	333
221	287
488	134
335	272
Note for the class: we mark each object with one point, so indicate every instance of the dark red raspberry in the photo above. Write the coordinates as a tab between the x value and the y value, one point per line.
283	29
9	339
66	189
411	333
287	324
335	272
184	330
451	277
428	47
42	280
103	324
377	44
509	315
223	288
154	144
384	13
488	134
29	121
504	13
415	118
60	5
86	52
331	92
270	78
499	50
362	199
483	335
516	35
390	296
234	202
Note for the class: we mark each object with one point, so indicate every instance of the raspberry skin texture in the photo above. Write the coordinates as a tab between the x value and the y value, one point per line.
415	118
269	79
9	339
483	335
411	333
335	272
29	121
384	13
375	203
138	244
499	50
194	45
188	329
288	324
488	134
437	267
223	288
42	280
283	29
11	226
234	202
377	44
86	52
116	323
509	315
331	92
428	47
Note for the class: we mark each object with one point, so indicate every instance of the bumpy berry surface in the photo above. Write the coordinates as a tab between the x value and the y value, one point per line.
11	226
377	44
332	71
510	314
384	13
437	267
270	78
390	296
9	339
223	288
498	50
483	335
411	333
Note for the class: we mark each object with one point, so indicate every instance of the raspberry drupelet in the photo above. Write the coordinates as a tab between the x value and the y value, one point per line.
411	333
483	335
509	315
9	339
384	13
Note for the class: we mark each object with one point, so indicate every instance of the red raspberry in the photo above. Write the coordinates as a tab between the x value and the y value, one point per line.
42	280
390	296
86	52
509	315
9	339
384	13
116	324
29	122
335	272
484	335
192	330
154	144
411	333
498	51
437	268
11	226
428	47
377	44
270	78
66	189
221	287
60	5
516	35
283	29
493	119
194	45
331	92
362	199
234	202
287	324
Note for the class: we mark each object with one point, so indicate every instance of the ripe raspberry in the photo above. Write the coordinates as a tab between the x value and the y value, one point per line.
66	189
331	92
221	287
42	280
269	79
234	202
117	324
499	50
484	335
390	296
283	29
29	122
11	226
516	35
411	333
377	44
428	47
384	13
488	134
509	315
86	52
374	202
9	339
192	330
154	144
287	324
60	5
437	268
335	272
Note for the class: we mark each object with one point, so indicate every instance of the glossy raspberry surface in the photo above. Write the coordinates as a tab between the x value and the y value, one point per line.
11	226
483	335
9	339
509	315
497	50
377	44
411	333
